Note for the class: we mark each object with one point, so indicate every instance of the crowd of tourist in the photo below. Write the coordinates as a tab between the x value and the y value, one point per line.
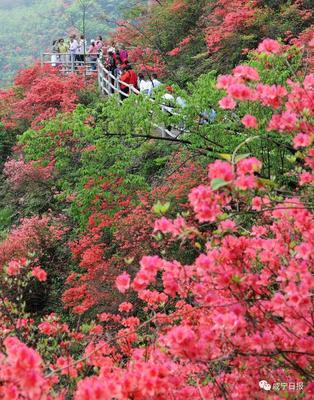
75	51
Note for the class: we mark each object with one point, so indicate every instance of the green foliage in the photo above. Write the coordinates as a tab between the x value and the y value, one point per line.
7	140
6	216
72	141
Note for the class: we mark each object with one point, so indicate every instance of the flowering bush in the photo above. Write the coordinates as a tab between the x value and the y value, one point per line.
20	173
240	312
40	93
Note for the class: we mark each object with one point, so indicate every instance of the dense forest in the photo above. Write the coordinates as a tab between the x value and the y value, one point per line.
140	266
27	28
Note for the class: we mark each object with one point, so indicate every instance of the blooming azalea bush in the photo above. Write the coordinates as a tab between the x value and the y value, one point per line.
239	312
118	234
40	93
185	38
20	173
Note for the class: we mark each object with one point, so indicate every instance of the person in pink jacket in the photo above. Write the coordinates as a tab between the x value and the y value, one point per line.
92	52
123	54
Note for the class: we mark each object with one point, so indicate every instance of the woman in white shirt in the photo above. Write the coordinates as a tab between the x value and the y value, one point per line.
155	81
144	85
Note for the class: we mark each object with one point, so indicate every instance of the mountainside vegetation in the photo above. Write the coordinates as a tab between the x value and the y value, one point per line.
141	266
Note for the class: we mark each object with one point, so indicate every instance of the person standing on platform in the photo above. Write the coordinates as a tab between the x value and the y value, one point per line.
81	50
92	52
73	49
63	50
129	77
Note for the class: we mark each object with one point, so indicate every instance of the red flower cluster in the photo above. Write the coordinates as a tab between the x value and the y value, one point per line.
44	93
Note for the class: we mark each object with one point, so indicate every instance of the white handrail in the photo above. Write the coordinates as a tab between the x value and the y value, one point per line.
68	62
106	76
105	79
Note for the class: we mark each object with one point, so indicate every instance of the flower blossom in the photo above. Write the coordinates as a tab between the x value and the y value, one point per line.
125	307
249	121
220	170
301	140
240	91
224	81
248	166
123	282
269	46
14	267
227	103
283	122
39	273
246	72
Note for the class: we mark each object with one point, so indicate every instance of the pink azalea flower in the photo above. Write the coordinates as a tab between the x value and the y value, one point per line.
220	170
123	282
185	41
301	140
308	82
125	307
304	250
174	52
257	203
248	166
249	121
246	72
224	81
283	122
227	103
39	273
269	46
240	91
306	178
13	268
245	182
227	225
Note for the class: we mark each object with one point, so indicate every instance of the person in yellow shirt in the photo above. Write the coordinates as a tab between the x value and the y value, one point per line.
63	50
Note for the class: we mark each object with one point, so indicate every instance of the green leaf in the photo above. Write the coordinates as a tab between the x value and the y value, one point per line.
225	156
237	279
228	157
218	183
161	209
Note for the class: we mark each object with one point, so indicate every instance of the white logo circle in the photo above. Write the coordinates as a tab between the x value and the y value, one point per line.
264	385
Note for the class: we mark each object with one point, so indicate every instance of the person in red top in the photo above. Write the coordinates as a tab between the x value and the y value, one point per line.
128	76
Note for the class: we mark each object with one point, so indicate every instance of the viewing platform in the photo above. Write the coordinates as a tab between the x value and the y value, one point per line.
109	84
